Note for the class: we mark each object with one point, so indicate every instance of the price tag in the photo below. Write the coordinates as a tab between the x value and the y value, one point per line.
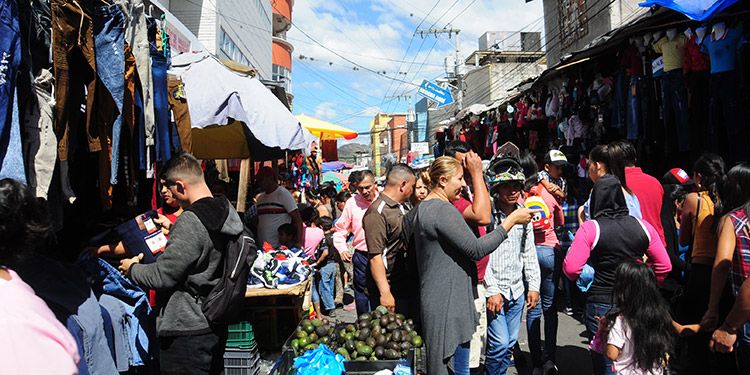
156	242
150	226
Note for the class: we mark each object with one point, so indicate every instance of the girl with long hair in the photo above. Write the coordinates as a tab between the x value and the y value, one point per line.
698	229
604	160
732	254
638	332
447	250
313	198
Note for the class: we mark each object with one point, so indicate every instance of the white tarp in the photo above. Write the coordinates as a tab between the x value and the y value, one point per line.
215	95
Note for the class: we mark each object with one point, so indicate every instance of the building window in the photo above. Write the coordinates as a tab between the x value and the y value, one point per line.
573	21
283	76
229	49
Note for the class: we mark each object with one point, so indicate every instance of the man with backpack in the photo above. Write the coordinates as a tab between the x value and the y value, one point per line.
192	336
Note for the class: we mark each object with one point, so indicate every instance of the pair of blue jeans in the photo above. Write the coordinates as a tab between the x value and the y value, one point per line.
359	260
550	273
325	281
161	103
109	38
619	102
461	359
635	106
11	154
502	334
743	349
602	365
674	97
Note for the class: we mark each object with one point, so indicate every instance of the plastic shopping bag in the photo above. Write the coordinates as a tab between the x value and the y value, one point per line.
321	361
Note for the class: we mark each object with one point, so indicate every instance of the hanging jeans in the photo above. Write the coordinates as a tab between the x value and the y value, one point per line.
725	109
619	103
698	111
634	114
75	66
674	97
180	112
109	37
11	155
161	103
40	143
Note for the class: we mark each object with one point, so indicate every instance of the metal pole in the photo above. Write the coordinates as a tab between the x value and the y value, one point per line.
459	81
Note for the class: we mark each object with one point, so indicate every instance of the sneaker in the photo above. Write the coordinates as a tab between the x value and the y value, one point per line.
330	313
568	311
347	288
550	368
350	307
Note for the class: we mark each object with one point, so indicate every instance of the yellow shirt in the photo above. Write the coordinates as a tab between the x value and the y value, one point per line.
672	50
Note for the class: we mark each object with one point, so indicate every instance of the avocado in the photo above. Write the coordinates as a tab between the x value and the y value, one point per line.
384	322
400	316
363	324
405	335
308	327
350	346
321	330
361	358
416	341
370	342
365	350
313	337
413	333
376	314
379	352
364	334
350	328
405	345
343	352
381	341
295	344
393	345
350	335
382	309
301	334
396	336
392	327
316	322
391	354
359	344
365	317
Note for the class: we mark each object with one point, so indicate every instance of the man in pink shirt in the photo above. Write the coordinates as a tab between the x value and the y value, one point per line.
350	221
647	189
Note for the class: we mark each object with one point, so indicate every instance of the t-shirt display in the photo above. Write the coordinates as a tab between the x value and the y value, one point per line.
723	49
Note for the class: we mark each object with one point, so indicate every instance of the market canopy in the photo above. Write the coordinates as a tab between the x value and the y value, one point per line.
324	129
222	100
698	10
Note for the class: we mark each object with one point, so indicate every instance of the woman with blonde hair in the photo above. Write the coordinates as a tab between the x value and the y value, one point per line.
447	251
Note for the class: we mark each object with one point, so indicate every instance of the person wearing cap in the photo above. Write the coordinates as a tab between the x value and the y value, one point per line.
551	176
512	274
275	206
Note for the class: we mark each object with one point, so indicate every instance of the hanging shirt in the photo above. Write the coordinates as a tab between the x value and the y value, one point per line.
672	50
631	60
723	49
694	60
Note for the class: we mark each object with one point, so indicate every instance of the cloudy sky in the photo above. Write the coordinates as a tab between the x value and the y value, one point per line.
336	36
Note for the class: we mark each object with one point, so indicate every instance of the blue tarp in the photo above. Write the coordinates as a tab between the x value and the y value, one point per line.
698	10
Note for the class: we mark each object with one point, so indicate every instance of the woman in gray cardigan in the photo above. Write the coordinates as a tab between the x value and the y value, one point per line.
446	252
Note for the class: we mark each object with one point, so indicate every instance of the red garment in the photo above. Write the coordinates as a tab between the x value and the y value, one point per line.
650	194
694	60
462	204
521	114
172	218
632	61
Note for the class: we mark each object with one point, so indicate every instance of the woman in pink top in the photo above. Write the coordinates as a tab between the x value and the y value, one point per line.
34	341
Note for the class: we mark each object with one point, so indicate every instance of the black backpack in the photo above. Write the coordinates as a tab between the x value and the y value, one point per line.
224	301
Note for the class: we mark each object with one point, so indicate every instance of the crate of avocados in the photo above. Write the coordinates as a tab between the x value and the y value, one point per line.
377	340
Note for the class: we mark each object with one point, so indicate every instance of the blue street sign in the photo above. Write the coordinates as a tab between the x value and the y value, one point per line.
435	93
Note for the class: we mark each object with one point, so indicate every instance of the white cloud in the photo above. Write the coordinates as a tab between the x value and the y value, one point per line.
326	111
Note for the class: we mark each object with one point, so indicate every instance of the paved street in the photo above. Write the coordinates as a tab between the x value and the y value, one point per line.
572	347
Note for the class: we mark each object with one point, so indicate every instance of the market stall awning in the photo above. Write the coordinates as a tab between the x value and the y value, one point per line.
324	129
218	96
698	10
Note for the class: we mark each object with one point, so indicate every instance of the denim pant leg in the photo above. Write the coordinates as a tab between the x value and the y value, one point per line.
109	38
325	287
461	359
547	265
11	154
359	259
674	97
743	349
602	365
633	112
161	104
315	293
502	334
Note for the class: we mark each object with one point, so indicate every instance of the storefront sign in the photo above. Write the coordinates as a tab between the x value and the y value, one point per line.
177	41
436	93
420	148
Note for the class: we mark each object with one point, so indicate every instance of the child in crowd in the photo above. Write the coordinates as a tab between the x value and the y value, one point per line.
288	235
313	234
552	175
638	332
325	274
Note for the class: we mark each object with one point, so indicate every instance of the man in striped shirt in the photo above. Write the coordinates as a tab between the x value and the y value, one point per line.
512	275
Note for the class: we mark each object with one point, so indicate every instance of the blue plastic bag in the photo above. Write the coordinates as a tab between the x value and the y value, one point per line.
586	278
321	361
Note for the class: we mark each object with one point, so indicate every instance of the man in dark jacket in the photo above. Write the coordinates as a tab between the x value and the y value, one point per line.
189	267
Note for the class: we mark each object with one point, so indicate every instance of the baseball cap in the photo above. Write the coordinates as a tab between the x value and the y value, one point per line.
265	172
555	157
679	176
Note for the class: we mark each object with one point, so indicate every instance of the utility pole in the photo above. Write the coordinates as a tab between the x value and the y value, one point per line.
459	80
408	121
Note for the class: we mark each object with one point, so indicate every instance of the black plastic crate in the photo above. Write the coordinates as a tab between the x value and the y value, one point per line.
239	361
